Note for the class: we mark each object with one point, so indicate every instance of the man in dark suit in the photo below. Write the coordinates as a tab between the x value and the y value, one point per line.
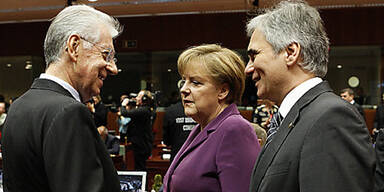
348	94
139	132
321	143
111	142
50	142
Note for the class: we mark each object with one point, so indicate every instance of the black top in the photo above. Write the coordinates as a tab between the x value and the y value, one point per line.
100	114
176	127
113	145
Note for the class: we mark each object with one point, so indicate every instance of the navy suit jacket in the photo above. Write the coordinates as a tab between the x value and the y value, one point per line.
322	145
50	143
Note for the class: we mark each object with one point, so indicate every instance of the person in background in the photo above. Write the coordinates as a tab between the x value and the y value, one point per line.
3	115
316	142
379	118
176	126
260	133
101	112
111	142
140	127
348	94
263	113
122	121
50	142
2	99
378	137
221	150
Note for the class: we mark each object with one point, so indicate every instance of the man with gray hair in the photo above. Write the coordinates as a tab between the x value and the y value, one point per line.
316	141
50	142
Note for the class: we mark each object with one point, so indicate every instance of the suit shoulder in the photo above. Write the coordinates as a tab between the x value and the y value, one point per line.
329	101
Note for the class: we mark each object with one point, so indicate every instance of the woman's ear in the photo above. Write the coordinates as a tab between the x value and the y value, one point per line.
292	53
224	91
73	45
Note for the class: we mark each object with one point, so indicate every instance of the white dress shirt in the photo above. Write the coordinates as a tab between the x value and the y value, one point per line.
62	83
293	96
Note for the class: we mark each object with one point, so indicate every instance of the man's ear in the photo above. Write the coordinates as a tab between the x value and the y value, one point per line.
224	91
292	53
73	45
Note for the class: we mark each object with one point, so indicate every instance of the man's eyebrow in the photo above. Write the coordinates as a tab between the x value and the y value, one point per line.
252	52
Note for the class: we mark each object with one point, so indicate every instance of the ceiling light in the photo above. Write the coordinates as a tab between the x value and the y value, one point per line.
339	66
28	66
92	0
9	65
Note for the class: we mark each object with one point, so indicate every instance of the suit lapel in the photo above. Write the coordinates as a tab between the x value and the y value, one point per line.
199	139
269	152
196	137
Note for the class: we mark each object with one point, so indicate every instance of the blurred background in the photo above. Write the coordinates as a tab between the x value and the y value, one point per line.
157	31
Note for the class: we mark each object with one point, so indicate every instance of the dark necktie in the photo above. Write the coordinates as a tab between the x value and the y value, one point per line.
274	126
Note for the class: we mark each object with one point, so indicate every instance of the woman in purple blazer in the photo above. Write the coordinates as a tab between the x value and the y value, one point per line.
221	150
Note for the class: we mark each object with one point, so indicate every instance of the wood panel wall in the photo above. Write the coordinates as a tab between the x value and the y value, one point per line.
350	26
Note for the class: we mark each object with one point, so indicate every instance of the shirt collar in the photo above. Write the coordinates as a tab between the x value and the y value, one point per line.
353	102
64	84
293	96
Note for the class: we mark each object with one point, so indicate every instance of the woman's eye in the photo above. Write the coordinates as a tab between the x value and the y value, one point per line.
195	82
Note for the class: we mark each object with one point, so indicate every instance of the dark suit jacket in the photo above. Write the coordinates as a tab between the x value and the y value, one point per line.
113	144
379	174
360	109
50	143
322	145
140	129
379	117
100	115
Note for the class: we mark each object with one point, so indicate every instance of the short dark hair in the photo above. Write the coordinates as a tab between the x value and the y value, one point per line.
349	90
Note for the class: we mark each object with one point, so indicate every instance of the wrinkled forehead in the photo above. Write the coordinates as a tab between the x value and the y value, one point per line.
105	38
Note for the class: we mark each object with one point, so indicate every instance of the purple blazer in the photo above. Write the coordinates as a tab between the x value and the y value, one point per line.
219	158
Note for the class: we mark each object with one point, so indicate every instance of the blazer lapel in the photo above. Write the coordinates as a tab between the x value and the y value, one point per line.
269	152
196	137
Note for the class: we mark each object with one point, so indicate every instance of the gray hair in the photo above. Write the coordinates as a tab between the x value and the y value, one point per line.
78	19
295	22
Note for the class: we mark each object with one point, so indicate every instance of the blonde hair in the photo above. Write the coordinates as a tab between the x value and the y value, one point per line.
223	66
261	133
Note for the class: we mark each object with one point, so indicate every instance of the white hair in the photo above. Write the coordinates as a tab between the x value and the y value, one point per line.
295	22
78	19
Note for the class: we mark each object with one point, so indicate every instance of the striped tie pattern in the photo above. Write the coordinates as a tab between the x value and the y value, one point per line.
274	126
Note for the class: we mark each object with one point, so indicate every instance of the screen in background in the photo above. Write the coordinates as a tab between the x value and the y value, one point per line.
132	181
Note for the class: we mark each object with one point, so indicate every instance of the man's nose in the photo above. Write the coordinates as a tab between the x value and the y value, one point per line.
112	68
249	68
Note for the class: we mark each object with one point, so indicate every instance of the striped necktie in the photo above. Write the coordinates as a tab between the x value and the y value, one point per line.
276	120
